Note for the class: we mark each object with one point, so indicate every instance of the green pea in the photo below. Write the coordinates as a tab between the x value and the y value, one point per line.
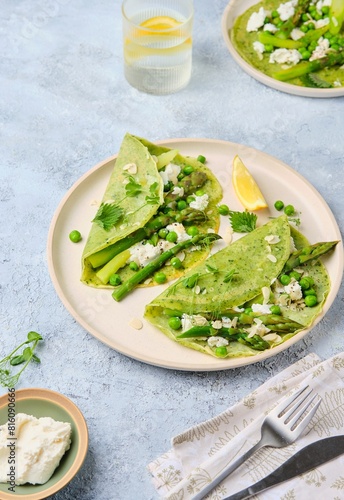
75	236
248	310
181	204
325	9
199	192
192	230
172	237
160	278
311	26
310	291
268	47
201	158
188	169
276	20
115	280
174	323
311	300
180	176
168	186
285	279
163	233
304	28
190	198
304	283
279	205
335	46
289	210
295	275
304	17
305	55
223	209
221	352
133	266
176	263
317	16
275	310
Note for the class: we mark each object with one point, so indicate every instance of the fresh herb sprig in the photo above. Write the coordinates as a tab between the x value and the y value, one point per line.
108	215
242	222
7	378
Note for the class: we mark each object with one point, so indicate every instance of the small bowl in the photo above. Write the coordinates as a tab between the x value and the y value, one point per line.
47	403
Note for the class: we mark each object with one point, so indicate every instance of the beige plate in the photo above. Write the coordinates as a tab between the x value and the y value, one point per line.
234	9
108	320
46	403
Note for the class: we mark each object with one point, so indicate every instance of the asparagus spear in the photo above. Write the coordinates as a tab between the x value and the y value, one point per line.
336	16
188	216
307	254
231	334
303	68
313	35
143	274
189	183
291	23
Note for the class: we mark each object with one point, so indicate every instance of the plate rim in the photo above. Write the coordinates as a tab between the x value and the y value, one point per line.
262	77
37	393
217	365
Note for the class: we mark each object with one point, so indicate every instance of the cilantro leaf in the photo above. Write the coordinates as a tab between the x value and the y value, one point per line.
108	215
132	188
154	198
242	222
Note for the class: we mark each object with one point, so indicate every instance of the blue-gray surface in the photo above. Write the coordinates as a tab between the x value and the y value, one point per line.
65	106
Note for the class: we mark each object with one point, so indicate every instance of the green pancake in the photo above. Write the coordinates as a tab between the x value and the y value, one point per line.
230	281
143	209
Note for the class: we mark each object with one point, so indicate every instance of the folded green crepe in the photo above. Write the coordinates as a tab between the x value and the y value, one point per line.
233	304
146	204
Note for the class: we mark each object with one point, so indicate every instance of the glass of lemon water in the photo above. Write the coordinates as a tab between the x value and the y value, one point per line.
157	44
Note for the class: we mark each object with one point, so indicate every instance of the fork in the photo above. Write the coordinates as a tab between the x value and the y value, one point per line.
281	427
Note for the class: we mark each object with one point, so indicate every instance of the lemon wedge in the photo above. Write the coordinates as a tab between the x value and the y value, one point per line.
246	188
159	23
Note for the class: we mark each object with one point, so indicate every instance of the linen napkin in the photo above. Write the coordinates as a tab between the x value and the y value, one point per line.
200	453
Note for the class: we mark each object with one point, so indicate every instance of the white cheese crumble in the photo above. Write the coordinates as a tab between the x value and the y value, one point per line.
131	168
321	49
257	329
259	48
293	290
170	173
217	324
188	321
217	341
200	202
320	23
256	20
178	191
261	308
179	229
296	34
270	27
142	253
285	56
287	10
40	444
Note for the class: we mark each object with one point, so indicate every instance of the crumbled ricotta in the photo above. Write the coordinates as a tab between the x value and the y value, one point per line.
179	229
200	202
320	23
256	20
142	253
178	191
170	174
39	446
296	34
270	27
322	3
217	341
259	48
294	290
321	49
285	56
217	324
261	308
287	10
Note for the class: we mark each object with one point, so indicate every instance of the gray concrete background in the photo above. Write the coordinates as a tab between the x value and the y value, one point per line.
65	106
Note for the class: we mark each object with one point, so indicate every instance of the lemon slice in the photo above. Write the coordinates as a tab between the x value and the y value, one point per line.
160	23
246	188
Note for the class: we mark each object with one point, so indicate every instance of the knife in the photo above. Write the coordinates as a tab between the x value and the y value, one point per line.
307	458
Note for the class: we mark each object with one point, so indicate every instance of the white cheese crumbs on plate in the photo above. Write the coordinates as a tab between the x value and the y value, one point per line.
170	173
131	168
259	48
287	10
271	27
217	342
178	191
285	56
217	324
179	229
321	49
261	308
296	34
294	290
136	323
256	20
200	202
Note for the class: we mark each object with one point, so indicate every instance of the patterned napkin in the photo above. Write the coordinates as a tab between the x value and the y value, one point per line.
201	452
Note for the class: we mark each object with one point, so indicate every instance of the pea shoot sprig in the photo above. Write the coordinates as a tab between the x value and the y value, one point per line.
9	379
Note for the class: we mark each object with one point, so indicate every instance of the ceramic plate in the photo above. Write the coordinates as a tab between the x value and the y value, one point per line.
108	320
234	9
46	403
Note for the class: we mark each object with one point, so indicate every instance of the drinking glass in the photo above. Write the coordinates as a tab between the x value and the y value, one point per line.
157	44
